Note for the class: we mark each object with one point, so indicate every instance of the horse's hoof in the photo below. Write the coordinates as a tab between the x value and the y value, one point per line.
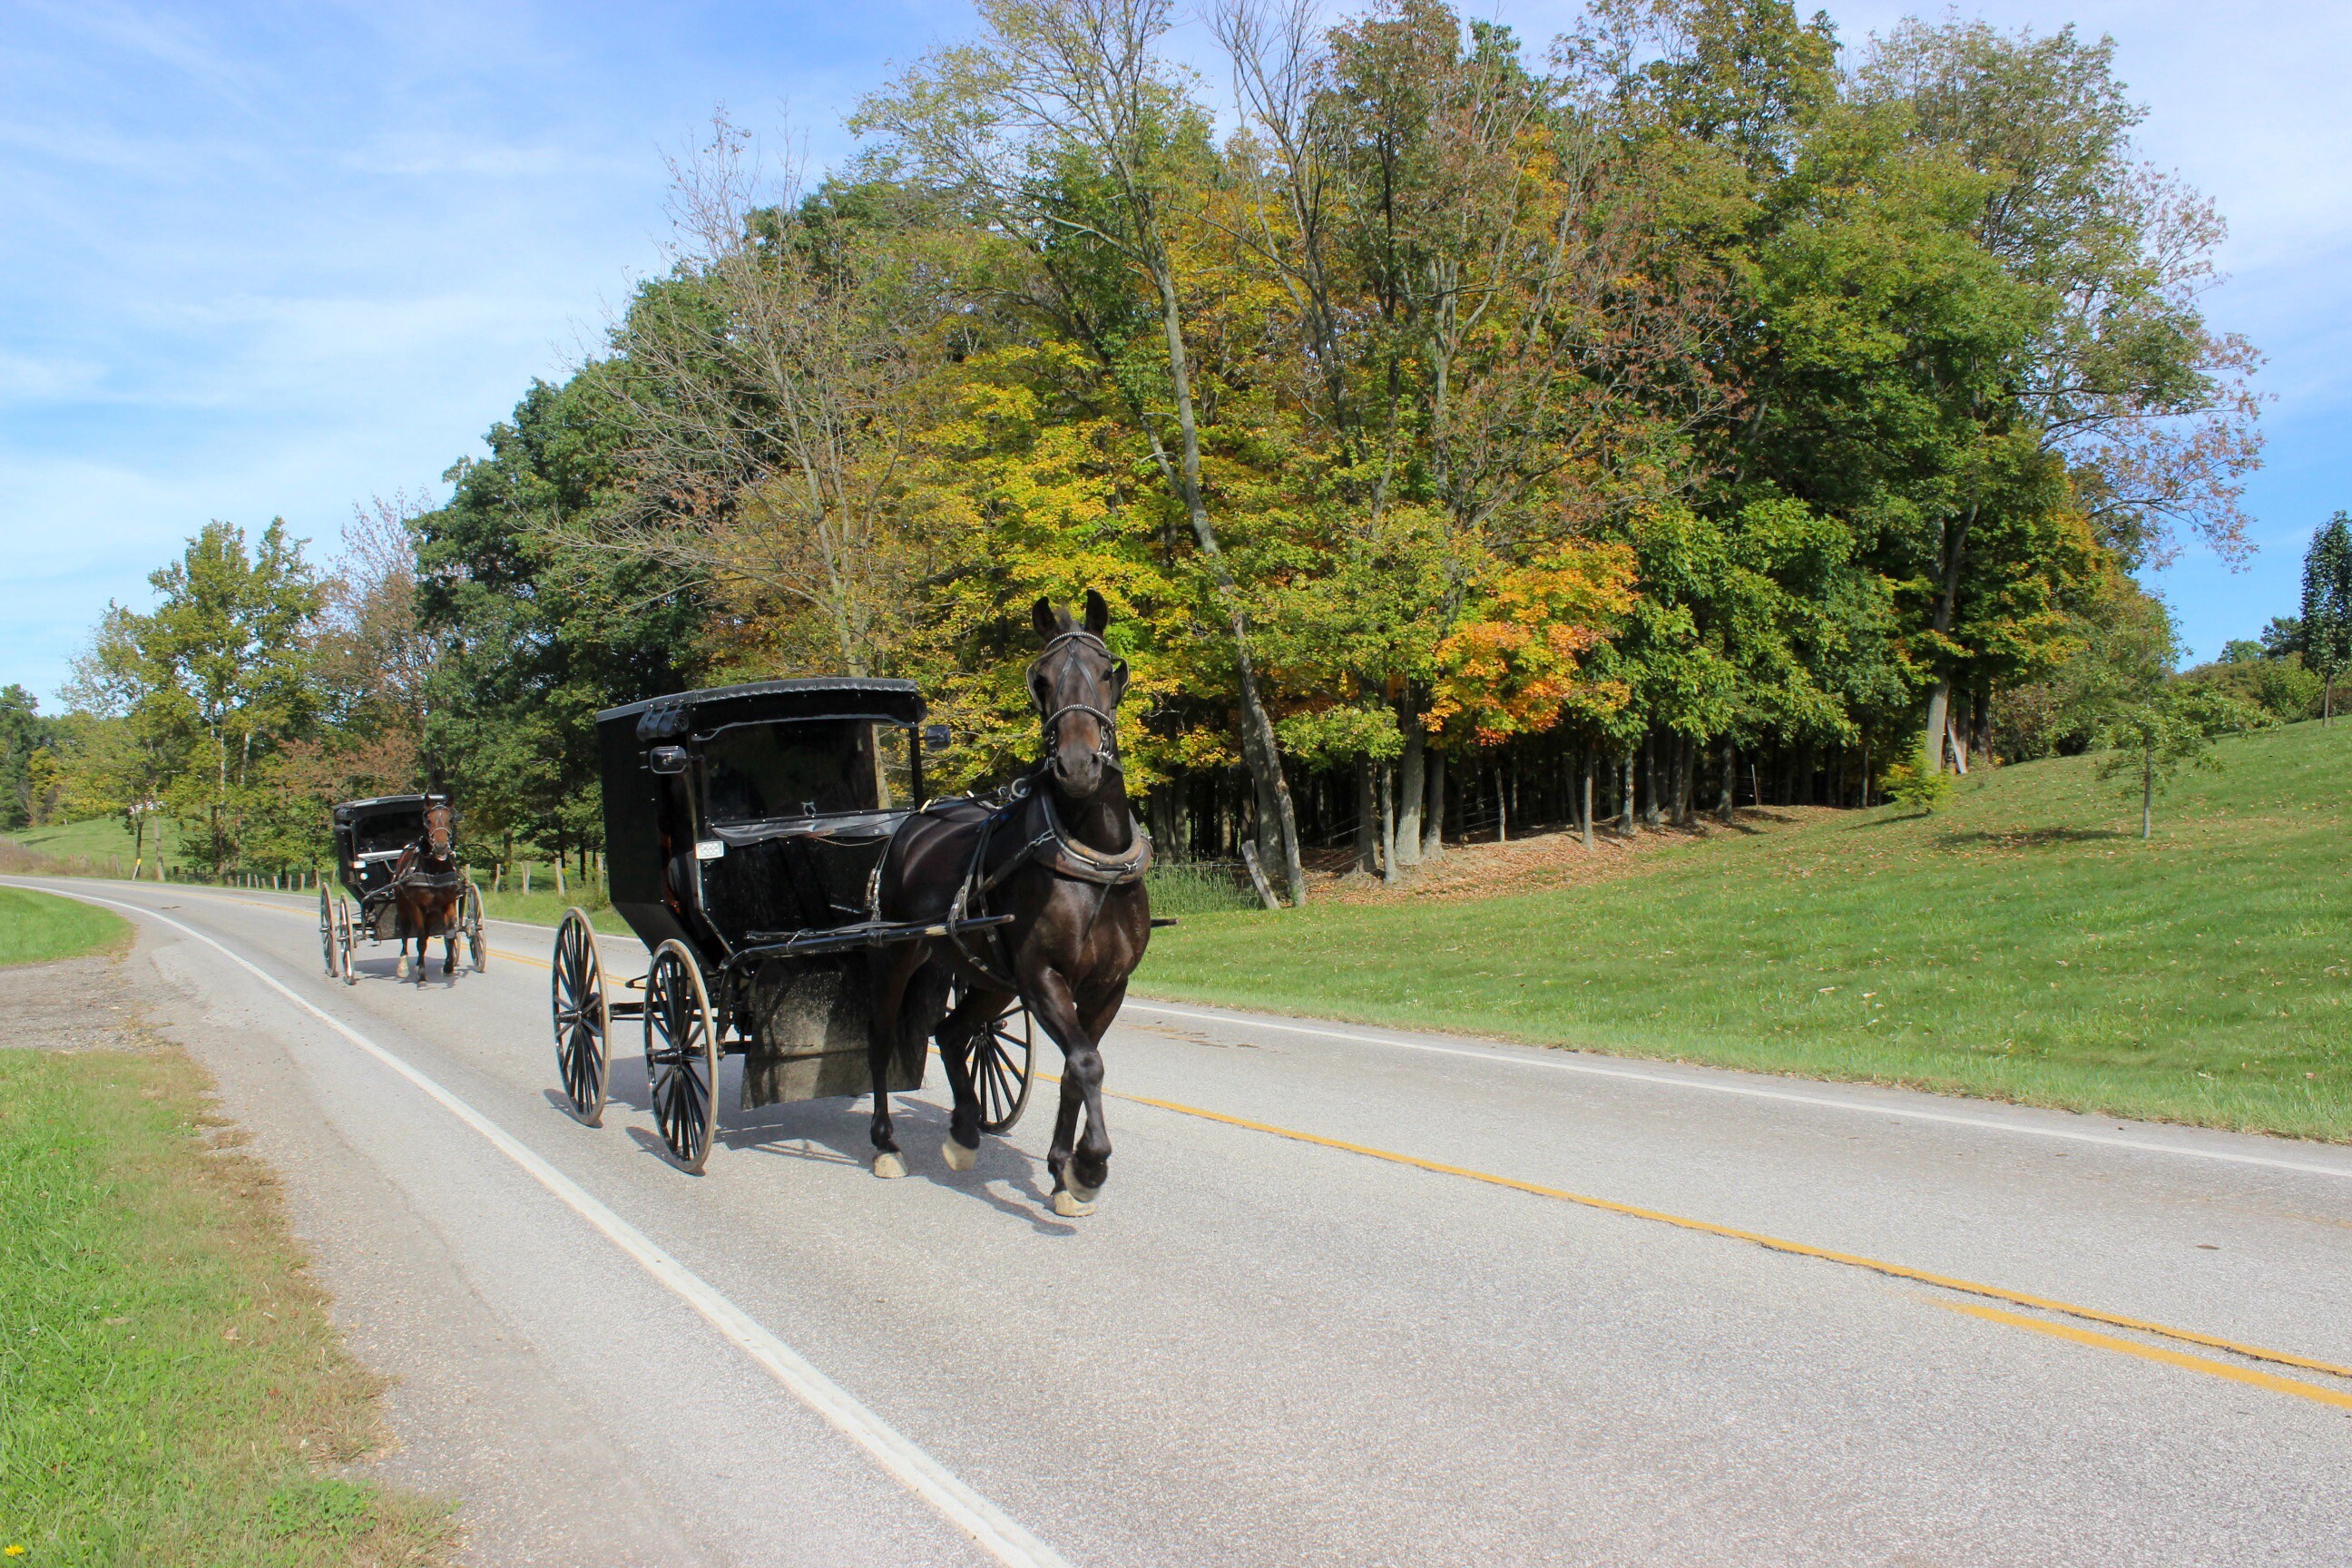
958	1157
1069	1206
1084	1194
887	1165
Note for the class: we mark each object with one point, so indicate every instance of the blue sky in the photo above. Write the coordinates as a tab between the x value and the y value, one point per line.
274	259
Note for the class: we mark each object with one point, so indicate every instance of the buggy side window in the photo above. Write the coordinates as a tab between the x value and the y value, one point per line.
752	773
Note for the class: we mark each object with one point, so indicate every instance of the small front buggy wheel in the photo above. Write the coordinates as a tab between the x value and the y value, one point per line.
583	1024
327	931
477	946
1002	1053
681	1054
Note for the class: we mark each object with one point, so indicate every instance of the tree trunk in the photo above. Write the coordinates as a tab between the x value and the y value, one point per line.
1585	821
1390	870
1412	788
1502	806
1651	813
2147	794
1260	747
1368	825
1625	796
1685	768
1730	781
1433	826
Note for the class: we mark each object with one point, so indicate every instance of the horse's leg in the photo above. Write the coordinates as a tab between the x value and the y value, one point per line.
1090	1165
1050	1004
958	1035
449	941
891	976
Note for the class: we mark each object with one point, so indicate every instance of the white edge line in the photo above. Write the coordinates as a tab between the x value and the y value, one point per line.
988	1526
1251	1021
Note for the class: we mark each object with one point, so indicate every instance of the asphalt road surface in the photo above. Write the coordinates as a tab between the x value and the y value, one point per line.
1353	1296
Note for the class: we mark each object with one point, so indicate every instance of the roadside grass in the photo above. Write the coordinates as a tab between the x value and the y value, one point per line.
37	927
171	1389
544	906
2022	944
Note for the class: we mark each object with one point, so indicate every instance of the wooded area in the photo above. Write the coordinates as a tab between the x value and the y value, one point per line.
1464	439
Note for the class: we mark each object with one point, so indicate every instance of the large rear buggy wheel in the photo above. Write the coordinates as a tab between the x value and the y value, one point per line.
327	932
681	1054
343	924
583	1024
1003	1052
477	946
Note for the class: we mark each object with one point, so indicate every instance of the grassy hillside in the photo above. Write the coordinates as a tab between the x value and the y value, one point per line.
2023	943
98	839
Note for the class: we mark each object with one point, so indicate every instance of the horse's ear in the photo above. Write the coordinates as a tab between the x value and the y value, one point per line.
1051	623
1098	613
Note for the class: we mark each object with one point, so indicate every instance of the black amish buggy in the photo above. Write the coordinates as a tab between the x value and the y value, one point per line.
373	838
744	830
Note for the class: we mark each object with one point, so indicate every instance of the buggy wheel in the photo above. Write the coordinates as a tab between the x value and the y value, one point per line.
681	1054
327	931
477	946
583	1024
343	943
1002	1053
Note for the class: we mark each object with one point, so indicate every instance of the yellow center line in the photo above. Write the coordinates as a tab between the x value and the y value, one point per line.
2311	1391
1755	1238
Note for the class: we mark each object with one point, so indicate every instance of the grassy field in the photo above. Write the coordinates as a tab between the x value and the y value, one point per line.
98	839
171	1389
2023	944
36	927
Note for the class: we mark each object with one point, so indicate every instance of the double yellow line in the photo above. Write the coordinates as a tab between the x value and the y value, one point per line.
2338	1397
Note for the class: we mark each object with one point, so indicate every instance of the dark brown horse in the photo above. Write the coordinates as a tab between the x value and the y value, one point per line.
1061	853
428	890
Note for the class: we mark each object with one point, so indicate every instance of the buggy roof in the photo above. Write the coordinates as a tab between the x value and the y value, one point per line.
382	805
814	697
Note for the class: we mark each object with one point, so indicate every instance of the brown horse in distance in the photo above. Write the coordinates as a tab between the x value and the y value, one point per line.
1062	854
428	890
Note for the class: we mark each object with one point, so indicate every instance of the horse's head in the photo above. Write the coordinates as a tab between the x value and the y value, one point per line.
440	829
1077	683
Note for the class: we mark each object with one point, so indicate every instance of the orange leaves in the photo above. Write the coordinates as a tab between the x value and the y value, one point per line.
1516	661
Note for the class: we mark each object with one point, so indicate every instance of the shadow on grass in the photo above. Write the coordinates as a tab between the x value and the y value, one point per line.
2028	838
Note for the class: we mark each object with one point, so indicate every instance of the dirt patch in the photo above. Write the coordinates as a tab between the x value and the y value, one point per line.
1552	858
72	1005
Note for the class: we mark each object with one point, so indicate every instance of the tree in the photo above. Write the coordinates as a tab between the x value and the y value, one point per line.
2325	636
2152	740
1065	128
23	734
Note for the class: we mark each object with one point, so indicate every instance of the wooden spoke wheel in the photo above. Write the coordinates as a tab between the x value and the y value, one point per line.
681	1054
343	938
478	947
1002	1052
583	1024
327	932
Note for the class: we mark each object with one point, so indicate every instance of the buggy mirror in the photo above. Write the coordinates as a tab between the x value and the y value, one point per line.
667	761
936	738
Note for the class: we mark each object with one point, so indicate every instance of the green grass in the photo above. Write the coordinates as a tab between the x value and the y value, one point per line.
171	1389
98	839
2023	944
544	906
37	927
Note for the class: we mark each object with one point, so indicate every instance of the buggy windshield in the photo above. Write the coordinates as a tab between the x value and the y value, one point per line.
387	834
803	768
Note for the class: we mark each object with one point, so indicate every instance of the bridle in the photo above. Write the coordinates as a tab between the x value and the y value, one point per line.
448	818
1108	753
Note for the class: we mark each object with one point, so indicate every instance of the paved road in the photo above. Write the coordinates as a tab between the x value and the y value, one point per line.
1353	1296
